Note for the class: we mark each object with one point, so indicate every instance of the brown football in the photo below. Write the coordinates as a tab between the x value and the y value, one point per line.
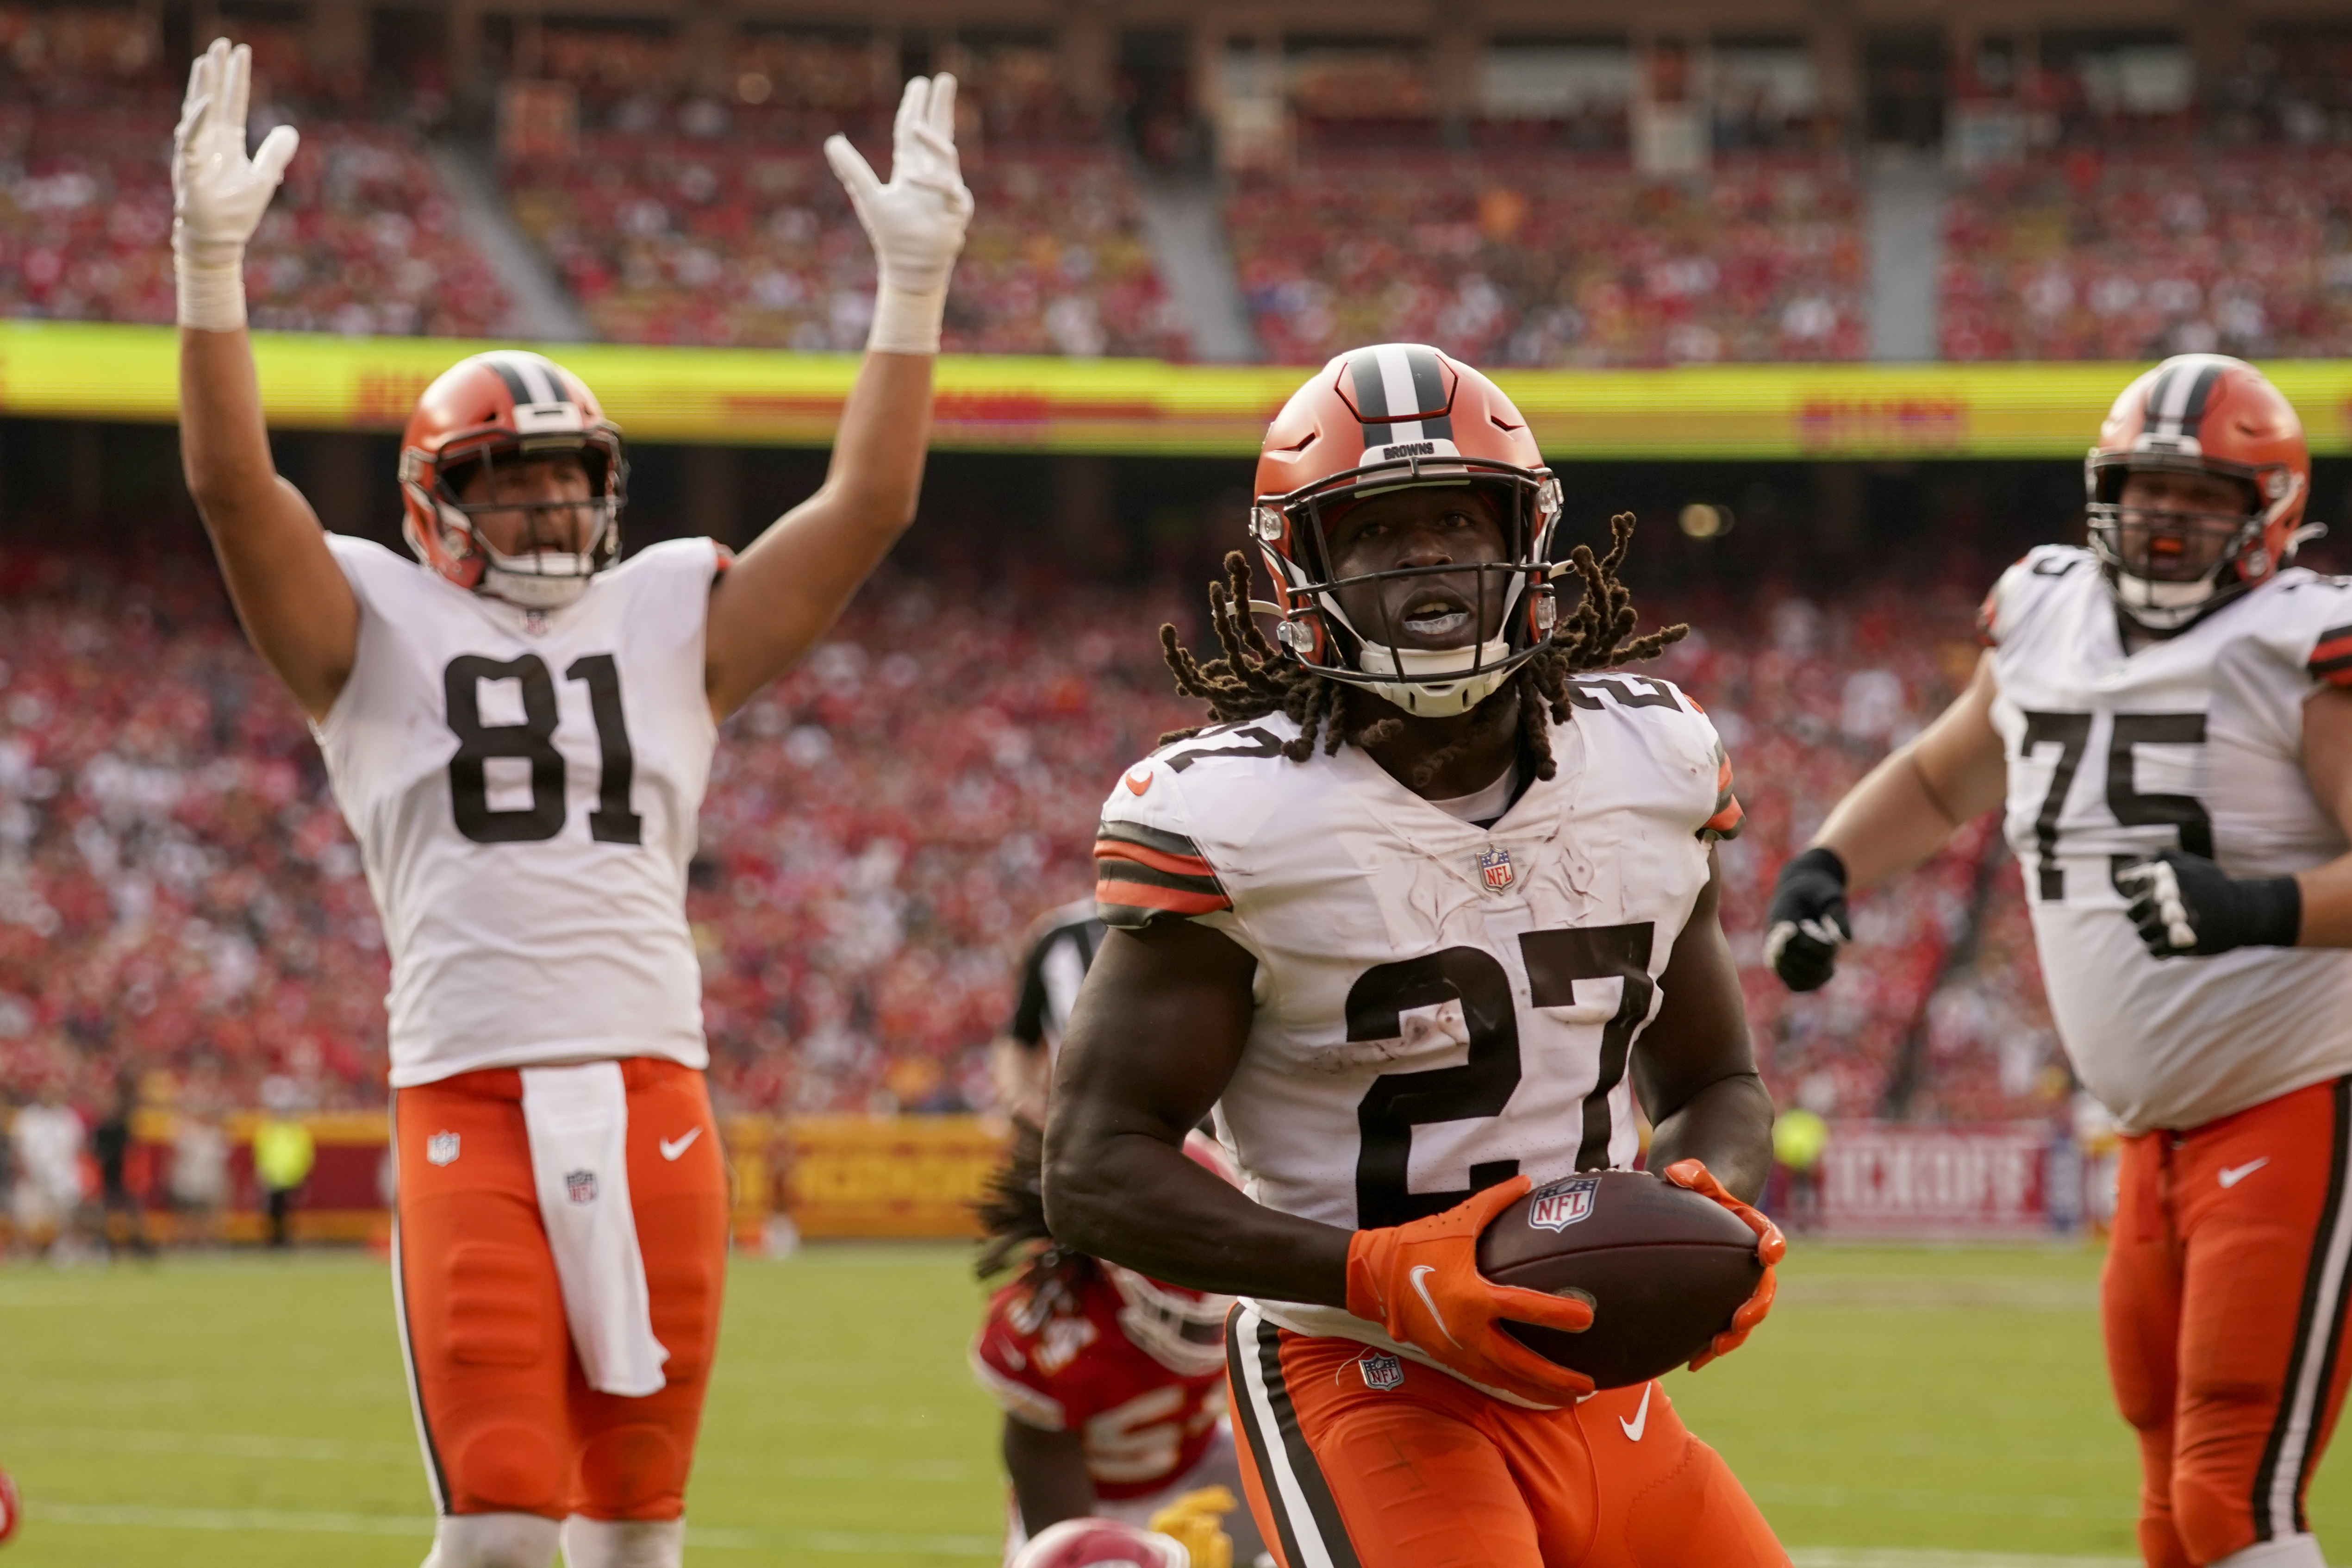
1663	1269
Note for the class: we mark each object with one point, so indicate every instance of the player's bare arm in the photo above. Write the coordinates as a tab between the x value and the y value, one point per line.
1050	1481
1152	1042
291	595
795	579
2326	890
1693	1066
1904	811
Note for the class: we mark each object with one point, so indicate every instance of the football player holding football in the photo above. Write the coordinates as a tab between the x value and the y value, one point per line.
2167	717
519	726
1418	915
1113	1385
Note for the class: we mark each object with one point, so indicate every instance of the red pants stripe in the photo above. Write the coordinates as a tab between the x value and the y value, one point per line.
2224	1301
507	1422
1353	1458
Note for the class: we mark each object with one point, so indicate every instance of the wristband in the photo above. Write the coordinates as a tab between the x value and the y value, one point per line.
1819	857
2274	907
211	291
904	321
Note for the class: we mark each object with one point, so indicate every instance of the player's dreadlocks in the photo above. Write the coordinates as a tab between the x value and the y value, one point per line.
1252	679
1011	1214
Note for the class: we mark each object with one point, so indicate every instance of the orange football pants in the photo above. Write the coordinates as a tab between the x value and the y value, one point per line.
1354	1459
507	1420
2224	1296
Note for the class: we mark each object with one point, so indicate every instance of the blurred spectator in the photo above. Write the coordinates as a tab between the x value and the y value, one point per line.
199	1178
1062	945
47	1140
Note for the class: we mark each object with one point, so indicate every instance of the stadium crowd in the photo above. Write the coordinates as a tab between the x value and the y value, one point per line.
1530	260
181	904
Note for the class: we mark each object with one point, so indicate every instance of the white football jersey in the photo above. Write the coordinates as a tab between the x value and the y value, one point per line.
524	787
1439	1005
2194	742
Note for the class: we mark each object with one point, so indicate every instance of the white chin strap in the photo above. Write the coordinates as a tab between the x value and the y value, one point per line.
544	580
2164	606
1429	699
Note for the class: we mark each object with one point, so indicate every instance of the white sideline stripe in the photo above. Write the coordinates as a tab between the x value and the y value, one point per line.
1897	1557
1311	1544
2303	1399
270	1520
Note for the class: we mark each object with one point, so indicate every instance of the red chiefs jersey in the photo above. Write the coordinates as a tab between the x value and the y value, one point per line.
1058	1359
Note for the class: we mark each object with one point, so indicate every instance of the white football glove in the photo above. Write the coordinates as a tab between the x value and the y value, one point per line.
916	221
218	195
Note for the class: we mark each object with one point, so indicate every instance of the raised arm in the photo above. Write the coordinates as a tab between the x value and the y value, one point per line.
796	578
293	599
1902	811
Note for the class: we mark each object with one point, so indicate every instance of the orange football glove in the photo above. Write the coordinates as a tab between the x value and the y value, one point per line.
1421	1282
1770	1248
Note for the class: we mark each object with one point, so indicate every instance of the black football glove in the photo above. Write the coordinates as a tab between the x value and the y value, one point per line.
1807	921
2185	906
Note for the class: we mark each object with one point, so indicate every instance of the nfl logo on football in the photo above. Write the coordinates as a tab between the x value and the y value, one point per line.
1494	868
1381	1371
1561	1204
580	1186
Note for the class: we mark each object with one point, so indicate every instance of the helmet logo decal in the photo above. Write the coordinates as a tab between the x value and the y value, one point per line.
1400	395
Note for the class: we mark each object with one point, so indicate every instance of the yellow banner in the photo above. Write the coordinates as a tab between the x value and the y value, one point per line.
895	1176
750	397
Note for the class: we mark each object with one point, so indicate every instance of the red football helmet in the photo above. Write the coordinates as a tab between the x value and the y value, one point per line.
1100	1543
2197	414
12	1509
498	407
1386	417
1182	1330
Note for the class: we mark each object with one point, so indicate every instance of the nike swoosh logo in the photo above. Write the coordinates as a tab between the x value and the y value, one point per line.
1137	781
2232	1175
1640	1422
1422	1290
671	1150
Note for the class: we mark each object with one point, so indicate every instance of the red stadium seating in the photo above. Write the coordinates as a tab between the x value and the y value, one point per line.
1553	260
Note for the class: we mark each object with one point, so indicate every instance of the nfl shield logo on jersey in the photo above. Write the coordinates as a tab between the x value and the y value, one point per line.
580	1186
1561	1204
1381	1371
441	1149
1494	868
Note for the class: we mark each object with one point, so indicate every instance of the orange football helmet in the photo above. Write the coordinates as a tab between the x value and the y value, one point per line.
2199	413
1385	417
500	407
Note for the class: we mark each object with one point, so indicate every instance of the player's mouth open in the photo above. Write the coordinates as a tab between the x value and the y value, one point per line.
1433	618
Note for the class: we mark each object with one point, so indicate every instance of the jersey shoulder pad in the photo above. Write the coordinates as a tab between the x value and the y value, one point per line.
1171	817
1668	724
2030	583
2312	616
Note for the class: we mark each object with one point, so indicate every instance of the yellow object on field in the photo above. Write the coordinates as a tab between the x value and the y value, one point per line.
1196	1519
1798	1139
283	1153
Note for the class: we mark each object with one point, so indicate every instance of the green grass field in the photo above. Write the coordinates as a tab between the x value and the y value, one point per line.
1905	1408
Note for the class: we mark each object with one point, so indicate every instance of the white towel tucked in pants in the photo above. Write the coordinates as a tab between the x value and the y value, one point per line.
577	1118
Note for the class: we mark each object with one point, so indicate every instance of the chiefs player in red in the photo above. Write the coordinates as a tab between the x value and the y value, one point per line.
519	726
1113	1385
